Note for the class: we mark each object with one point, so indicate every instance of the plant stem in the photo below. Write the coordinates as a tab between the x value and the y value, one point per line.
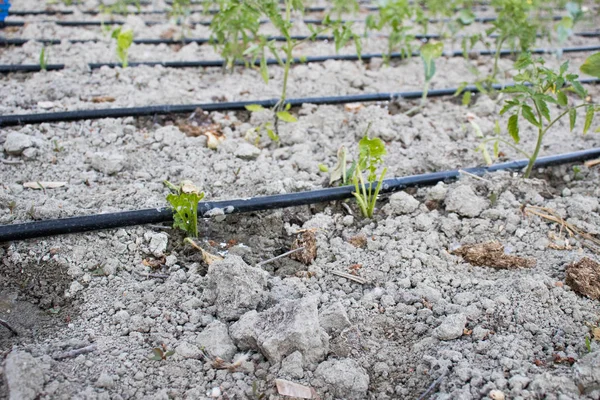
496	58
534	156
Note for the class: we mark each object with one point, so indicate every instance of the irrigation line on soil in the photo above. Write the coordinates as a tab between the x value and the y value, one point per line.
64	116
4	42
87	223
6	68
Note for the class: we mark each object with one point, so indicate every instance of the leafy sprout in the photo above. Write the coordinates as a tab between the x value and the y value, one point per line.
394	14
371	152
124	39
536	88
429	53
161	353
184	200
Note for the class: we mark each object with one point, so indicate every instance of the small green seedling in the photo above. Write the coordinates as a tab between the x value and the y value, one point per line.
564	28
394	15
255	134
535	88
184	199
124	40
371	152
341	172
180	12
429	53
161	353
44	59
588	344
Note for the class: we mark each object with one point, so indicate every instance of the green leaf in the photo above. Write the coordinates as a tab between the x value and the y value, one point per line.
157	354
466	99
429	52
591	66
254	107
286	116
589	117
185	207
466	16
513	127
572	118
272	135
543	107
562	98
528	114
323	168
371	152
169	353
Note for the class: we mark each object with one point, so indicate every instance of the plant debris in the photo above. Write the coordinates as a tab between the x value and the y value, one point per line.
200	124
549	214
44	185
307	240
358	241
292	389
584	278
154	263
206	256
103	99
491	254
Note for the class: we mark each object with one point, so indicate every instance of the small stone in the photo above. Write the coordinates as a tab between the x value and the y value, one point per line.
246	151
188	350
334	318
29	153
108	163
345	378
451	328
402	203
291	366
587	372
496	395
17	142
105	381
158	244
438	192
465	202
24	376
216	341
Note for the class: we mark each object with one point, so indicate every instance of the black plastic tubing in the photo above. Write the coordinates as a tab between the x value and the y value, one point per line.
64	116
31	230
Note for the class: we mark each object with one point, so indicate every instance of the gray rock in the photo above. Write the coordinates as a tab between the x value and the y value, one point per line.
188	350
235	288
291	366
451	327
168	135
246	151
108	163
216	341
334	318
587	372
105	381
549	384
401	203
24	376
346	378
438	192
16	143
288	327
158	243
463	201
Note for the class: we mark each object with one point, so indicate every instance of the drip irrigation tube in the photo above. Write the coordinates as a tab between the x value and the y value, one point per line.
4	42
7	68
156	215
338	57
66	116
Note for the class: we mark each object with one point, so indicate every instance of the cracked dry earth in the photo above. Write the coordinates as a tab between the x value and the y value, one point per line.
90	308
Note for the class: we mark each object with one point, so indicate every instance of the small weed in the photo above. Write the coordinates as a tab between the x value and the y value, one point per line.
588	344
43	59
184	199
577	173
11	206
57	146
161	353
180	12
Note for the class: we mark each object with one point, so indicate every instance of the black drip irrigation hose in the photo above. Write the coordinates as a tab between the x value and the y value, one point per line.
88	223
67	116
8	68
5	42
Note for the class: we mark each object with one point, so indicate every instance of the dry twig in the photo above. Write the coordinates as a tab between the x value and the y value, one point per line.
354	278
10	328
287	253
75	352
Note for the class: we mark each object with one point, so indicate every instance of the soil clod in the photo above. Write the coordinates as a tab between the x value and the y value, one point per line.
307	240
584	277
491	254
